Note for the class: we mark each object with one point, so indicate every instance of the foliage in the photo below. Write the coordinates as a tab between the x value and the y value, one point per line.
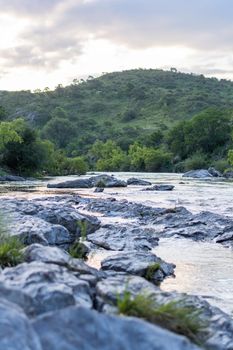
173	315
10	248
77	250
59	130
151	270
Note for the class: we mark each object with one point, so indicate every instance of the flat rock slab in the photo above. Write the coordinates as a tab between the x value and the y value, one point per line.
159	188
138	182
198	174
94	181
121	238
140	264
78	328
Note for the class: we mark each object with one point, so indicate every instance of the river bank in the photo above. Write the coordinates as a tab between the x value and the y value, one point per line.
124	239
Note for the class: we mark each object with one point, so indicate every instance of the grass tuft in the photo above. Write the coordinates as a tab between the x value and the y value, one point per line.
10	250
151	270
184	320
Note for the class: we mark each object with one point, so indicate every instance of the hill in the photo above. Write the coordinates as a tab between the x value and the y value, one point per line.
122	106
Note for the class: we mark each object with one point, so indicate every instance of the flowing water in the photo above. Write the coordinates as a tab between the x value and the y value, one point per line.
204	269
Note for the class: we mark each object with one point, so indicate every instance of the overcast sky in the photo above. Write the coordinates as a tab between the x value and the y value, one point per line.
47	42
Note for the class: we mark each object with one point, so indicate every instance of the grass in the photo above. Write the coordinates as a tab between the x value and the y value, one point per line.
151	270
10	250
184	320
77	250
101	184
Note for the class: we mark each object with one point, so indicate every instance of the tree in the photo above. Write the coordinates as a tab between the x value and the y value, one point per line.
60	131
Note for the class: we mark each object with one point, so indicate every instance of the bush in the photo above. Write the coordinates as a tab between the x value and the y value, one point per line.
221	165
184	320
197	161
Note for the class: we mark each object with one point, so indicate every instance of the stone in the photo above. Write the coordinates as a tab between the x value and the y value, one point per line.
11	178
121	238
138	182
198	174
159	188
109	181
136	263
99	189
50	286
214	172
16	331
79	328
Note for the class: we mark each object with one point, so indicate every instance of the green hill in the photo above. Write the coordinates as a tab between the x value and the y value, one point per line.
122	104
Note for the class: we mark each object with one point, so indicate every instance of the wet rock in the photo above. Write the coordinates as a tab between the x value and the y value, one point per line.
198	174
214	172
94	181
159	188
120	238
78	328
138	182
142	264
218	330
50	286
55	255
16	332
99	190
11	178
228	174
79	183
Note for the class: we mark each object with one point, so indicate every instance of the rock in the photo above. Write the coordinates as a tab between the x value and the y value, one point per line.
120	238
214	172
219	326
79	183
138	182
198	174
55	255
140	264
99	189
228	174
78	328
16	332
159	188
94	181
50	286
107	180
11	178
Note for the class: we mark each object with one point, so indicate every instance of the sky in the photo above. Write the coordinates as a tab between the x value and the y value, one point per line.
44	43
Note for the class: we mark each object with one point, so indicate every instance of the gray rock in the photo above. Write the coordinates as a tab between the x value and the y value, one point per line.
228	174
79	183
138	182
198	174
99	190
109	181
11	178
120	238
159	188
214	172
16	332
50	286
135	263
78	328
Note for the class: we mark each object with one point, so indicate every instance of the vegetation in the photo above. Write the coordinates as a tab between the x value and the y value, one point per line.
139	120
185	320
151	270
78	250
10	249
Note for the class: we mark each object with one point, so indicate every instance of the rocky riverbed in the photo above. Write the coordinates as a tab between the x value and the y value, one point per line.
53	300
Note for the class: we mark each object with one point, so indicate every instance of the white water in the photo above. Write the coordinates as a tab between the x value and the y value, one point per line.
202	268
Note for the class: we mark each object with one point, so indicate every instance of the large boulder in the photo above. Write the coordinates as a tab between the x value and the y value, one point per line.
120	238
50	286
214	172
78	328
147	265
198	174
16	332
94	181
138	182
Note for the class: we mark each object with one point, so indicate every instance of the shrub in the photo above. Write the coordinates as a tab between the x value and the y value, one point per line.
197	161
184	320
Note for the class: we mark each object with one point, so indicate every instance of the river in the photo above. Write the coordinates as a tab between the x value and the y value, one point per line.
204	269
